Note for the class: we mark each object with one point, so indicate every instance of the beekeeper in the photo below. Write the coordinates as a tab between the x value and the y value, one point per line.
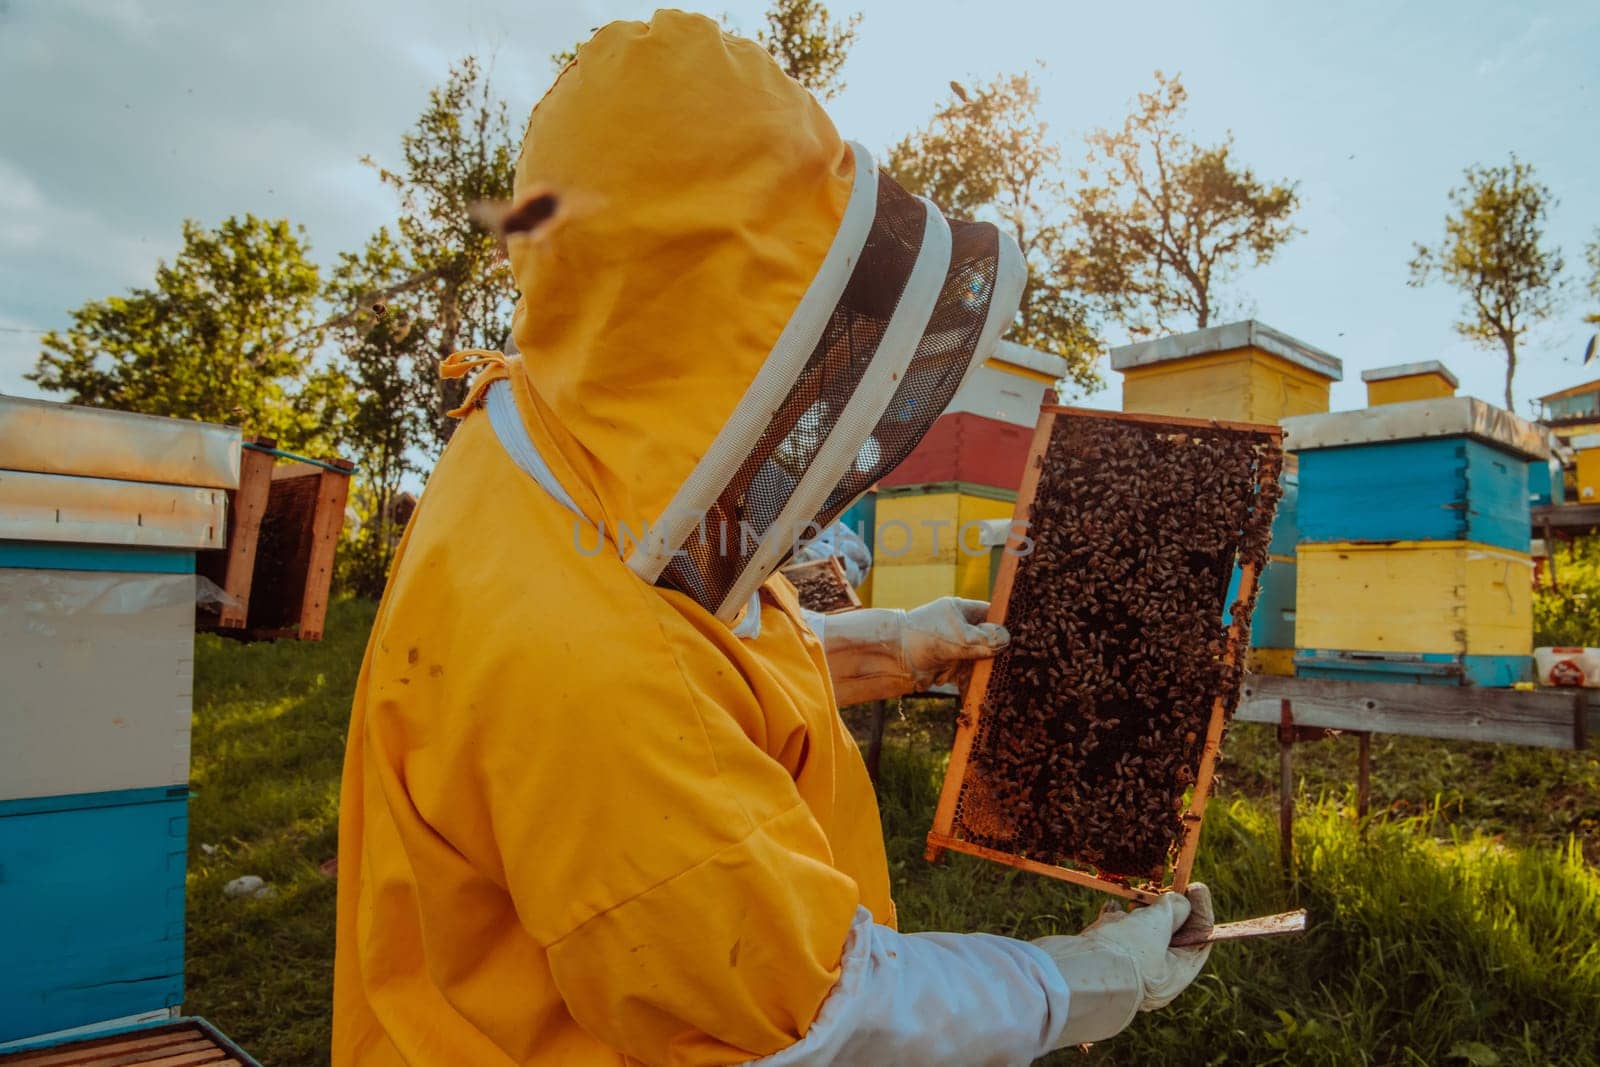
598	805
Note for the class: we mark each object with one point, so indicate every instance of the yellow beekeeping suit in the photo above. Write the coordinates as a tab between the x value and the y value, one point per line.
582	821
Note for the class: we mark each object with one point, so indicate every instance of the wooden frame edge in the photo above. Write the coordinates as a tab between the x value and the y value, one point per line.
1268	428
1049	870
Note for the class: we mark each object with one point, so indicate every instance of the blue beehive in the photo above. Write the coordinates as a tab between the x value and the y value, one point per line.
1442	489
1419	515
1547	483
101	514
1272	624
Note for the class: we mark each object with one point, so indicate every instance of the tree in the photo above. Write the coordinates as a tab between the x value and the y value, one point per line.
460	153
226	334
1164	222
1492	252
985	154
1592	254
809	46
385	355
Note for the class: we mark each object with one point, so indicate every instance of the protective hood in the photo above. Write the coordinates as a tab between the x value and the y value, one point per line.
736	323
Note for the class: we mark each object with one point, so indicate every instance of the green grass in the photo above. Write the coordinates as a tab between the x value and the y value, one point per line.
268	748
1421	950
1460	927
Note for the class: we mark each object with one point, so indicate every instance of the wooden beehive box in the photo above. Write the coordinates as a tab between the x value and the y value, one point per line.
823	586
1439	612
928	542
1415	527
1104	716
1244	371
1447	469
1427	380
277	571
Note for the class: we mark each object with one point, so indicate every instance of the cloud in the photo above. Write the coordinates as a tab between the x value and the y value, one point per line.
137	114
20	205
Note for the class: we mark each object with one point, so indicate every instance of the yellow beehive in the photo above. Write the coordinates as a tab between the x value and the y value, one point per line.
1428	380
1587	468
1279	661
1430	597
911	585
927	542
1241	372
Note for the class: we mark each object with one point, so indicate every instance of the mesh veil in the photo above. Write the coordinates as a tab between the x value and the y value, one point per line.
753	520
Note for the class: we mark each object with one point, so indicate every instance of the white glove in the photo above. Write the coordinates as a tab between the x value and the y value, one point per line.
879	653
1123	963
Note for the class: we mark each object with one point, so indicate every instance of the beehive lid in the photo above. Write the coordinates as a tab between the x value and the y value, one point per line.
1410	370
1415	420
1227	338
1012	354
44	437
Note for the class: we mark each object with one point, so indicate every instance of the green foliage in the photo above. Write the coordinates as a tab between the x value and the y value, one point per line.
460	153
808	44
1164	222
1592	254
1493	252
1566	609
386	357
986	154
268	748
1423	945
226	334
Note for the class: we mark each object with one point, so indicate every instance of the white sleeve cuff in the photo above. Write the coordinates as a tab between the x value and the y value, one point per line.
935	999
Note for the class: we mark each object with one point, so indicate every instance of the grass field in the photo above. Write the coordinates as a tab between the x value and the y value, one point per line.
1463	925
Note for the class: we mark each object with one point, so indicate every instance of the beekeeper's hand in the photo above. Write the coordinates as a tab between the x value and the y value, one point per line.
1122	964
878	653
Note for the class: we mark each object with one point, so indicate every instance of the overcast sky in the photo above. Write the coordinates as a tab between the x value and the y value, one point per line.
121	118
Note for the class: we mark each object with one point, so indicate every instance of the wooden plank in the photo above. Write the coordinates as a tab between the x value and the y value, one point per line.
1265	429
1542	718
1567	517
246	506
1061	874
1289	922
191	1054
332	493
82	1052
137	1047
184	1045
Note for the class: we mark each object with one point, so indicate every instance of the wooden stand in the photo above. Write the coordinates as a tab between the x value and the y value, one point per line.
942	836
1314	709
